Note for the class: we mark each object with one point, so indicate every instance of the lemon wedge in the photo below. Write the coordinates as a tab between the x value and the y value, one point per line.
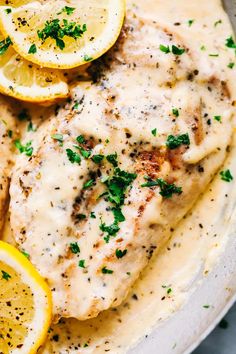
25	304
63	34
27	81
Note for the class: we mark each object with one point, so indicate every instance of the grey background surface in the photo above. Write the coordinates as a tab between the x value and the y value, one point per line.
223	339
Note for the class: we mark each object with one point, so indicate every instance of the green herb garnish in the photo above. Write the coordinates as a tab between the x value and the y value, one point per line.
82	263
5	275
175	112
53	29
226	176
73	156
97	158
174	142
4	45
74	247
112	159
89	184
218	118
154	132
27	149
32	49
166	189
106	271
68	10
120	254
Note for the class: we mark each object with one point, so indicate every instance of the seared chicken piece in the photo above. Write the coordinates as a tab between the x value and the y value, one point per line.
7	129
117	167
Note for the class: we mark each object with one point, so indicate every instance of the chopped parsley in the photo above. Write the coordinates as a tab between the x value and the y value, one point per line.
174	142
31	128
74	247
32	49
164	49
213	55
230	43
10	133
68	10
92	215
97	158
53	29
166	189
27	149
120	254
73	156
85	153
116	186
80	216
82	263
89	184
112	159
231	65
217	23
80	139
177	50
206	306
174	49
175	112
218	118
8	11
58	137
154	132
87	58
190	22
203	47
106	271
25	254
226	176
5	275
76	106
4	45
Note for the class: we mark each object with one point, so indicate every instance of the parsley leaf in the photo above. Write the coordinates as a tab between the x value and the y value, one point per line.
112	159
5	275
97	159
27	149
92	215
89	184
177	50
175	112
164	49
230	43
218	118
74	247
68	10
4	45
53	29
58	137
174	142
154	132
226	176
73	156
82	263
80	139
32	49
231	65
166	189
87	58
190	22
120	254
106	271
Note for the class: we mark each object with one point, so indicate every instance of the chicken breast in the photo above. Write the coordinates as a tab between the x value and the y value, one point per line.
117	167
7	129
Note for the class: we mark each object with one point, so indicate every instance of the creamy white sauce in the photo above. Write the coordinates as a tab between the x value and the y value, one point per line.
198	241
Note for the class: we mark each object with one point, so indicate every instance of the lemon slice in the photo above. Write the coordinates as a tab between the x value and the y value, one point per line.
26	81
25	304
63	34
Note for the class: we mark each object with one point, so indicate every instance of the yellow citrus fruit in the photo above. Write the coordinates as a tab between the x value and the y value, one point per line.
25	303
27	81
60	33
